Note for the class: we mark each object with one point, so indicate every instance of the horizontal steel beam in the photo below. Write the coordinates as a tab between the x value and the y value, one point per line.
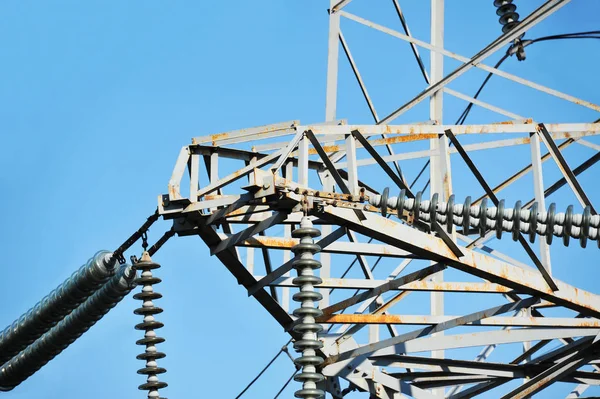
481	265
431	320
367	284
498	128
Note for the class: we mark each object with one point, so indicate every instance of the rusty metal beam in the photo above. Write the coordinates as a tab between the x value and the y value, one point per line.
432	320
522	172
564	167
475	263
495	200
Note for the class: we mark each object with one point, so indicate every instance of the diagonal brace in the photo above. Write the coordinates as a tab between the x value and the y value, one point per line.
495	200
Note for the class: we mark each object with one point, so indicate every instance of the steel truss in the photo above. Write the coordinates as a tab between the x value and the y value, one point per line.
338	174
332	201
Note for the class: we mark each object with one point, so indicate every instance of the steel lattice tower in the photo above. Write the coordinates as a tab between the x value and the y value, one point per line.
362	270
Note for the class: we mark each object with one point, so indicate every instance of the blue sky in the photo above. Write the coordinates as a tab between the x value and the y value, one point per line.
97	98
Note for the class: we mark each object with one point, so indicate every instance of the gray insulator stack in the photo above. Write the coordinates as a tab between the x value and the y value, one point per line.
484	218
56	305
149	325
306	280
22	366
506	10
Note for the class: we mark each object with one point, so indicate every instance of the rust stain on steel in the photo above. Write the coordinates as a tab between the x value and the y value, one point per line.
174	191
410	137
360	319
275	242
216	137
513	122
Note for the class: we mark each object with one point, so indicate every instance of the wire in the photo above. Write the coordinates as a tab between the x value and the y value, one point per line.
263	370
463	117
286	384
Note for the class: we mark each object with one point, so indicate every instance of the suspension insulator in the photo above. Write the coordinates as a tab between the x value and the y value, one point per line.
516	220
27	362
149	325
56	305
506	10
305	264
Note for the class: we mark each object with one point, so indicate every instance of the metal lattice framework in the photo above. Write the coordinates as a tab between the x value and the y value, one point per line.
338	174
331	200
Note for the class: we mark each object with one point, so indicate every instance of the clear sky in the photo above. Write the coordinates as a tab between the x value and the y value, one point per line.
97	98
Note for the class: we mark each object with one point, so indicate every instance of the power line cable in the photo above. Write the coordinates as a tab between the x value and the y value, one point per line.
264	369
286	384
510	52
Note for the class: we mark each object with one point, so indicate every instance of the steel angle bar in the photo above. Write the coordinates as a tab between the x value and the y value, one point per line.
578	391
364	284
340	247
193	169
364	265
261	148
450	365
337	7
531	20
358	77
588	144
428	320
373	152
522	280
178	171
429	382
587	377
287	151
478	389
328	164
482	104
378	347
248	134
268	267
333	48
509	127
446	238
527	354
240	173
390	285
428	153
493	252
564	167
364	375
498	337
245	278
482	66
232	240
217	201
346	331
412	45
495	200
555	355
363	88
287	266
552	374
521	172
561	182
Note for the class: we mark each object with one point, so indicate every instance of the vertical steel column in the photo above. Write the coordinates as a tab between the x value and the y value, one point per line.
332	63
538	190
328	185
303	162
287	233
440	161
